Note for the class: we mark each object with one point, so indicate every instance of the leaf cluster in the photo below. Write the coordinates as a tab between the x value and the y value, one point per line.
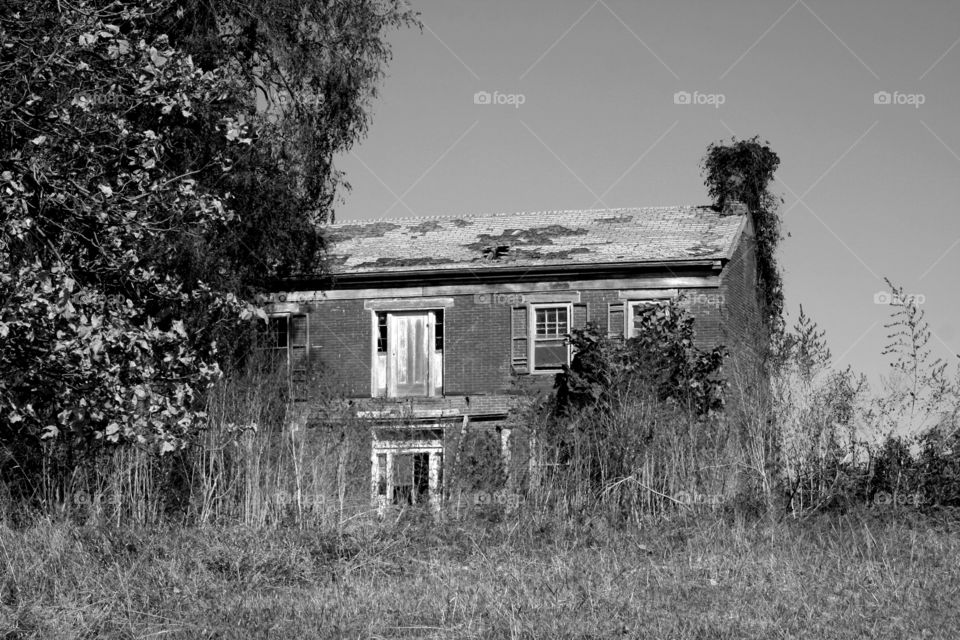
662	358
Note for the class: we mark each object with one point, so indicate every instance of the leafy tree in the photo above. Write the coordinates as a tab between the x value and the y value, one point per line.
161	162
742	171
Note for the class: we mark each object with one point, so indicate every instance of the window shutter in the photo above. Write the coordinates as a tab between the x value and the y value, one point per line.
299	345
581	314
615	319
519	338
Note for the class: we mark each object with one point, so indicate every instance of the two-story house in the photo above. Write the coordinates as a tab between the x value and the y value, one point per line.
428	323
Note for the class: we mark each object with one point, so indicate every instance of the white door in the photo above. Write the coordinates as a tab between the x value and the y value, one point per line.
410	342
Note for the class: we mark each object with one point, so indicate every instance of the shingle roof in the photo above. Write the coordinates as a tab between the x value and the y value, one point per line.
533	239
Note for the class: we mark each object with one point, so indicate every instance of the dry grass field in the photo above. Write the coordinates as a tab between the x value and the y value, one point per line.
864	574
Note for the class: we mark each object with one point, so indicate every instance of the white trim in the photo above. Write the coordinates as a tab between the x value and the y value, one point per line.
647	294
559	297
283	308
391	448
374	336
408	304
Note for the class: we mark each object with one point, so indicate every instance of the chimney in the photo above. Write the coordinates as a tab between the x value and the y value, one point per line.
735	208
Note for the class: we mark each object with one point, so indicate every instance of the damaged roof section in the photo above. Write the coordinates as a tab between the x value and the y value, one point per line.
533	239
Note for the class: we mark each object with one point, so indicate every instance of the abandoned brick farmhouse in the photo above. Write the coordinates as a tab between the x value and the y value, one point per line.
428	324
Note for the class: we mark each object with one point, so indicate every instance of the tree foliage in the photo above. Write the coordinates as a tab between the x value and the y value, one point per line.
662	357
161	161
742	170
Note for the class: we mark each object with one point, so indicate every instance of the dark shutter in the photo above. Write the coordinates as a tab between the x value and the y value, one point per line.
581	314
518	339
615	319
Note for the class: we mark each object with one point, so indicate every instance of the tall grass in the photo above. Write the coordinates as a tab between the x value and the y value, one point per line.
644	457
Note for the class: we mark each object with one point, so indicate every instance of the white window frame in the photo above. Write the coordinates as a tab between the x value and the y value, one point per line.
532	335
628	312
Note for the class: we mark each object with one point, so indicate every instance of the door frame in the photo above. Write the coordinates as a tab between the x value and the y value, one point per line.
392	448
382	364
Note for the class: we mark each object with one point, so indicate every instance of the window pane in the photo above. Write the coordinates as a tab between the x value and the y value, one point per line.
550	354
381	333
278	332
551	321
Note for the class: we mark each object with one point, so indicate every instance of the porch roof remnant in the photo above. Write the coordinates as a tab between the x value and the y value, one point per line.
538	239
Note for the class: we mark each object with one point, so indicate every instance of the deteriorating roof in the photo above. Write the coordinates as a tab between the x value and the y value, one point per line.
598	236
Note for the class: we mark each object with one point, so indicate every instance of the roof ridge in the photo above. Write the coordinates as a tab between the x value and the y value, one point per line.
516	213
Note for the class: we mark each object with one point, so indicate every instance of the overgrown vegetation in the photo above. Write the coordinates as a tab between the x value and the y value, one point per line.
878	574
741	171
162	161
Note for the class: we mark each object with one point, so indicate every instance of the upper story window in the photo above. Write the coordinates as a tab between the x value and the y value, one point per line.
634	309
550	349
288	342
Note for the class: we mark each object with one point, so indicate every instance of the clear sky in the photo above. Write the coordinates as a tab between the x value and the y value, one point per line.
586	116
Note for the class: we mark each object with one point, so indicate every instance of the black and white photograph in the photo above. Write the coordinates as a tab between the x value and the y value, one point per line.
443	319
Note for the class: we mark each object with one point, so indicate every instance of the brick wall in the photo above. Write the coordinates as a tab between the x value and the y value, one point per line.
340	335
477	334
742	325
